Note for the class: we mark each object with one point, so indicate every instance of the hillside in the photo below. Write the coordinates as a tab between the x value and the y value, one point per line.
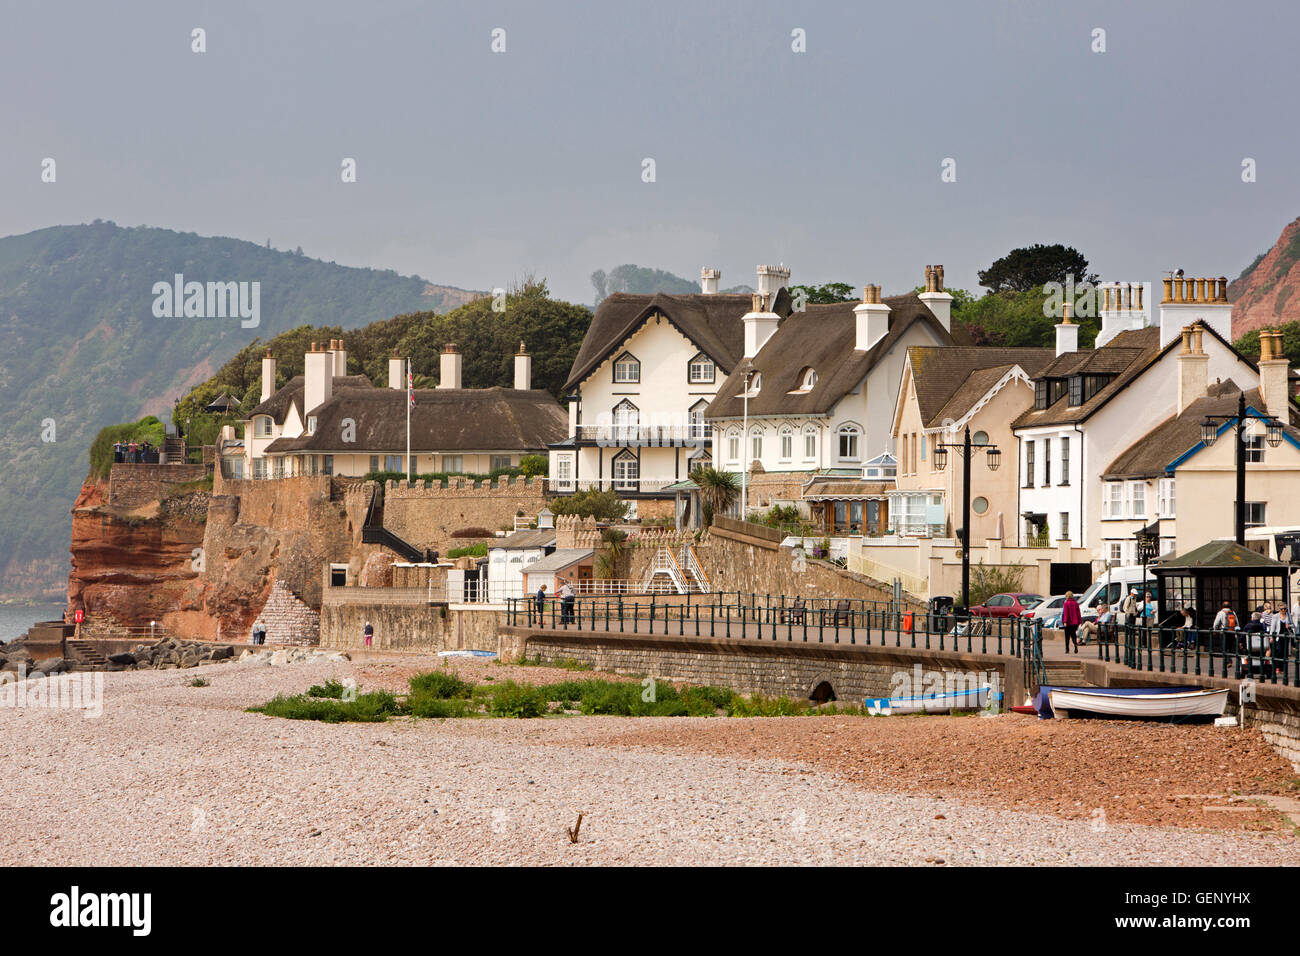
1264	294
80	348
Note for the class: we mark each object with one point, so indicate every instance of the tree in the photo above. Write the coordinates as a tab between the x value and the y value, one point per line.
610	563
718	490
601	505
823	294
1018	319
1031	267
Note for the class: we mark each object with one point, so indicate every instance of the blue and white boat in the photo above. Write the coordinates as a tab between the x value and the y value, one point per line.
974	698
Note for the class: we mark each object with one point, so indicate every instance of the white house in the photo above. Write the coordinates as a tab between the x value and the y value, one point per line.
1092	404
647	369
328	422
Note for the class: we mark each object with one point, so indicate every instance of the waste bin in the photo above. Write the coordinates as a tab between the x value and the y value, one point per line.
940	611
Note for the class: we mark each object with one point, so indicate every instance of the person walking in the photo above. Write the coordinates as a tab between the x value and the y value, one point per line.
1128	608
1070	621
369	633
568	597
541	602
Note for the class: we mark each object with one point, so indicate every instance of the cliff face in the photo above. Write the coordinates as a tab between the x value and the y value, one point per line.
1264	295
201	564
137	566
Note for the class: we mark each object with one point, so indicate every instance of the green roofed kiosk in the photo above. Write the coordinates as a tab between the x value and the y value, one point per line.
1220	571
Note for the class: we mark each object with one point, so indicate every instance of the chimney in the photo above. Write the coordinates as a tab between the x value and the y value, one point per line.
449	369
771	280
760	323
872	317
1067	333
1193	368
709	279
523	369
1273	372
396	373
340	358
935	299
268	375
318	367
1187	301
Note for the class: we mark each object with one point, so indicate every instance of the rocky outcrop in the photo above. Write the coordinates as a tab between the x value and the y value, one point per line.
134	566
1264	295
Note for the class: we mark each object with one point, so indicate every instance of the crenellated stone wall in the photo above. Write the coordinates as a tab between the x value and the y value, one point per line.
428	515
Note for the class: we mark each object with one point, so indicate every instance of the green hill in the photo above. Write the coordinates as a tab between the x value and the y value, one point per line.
80	348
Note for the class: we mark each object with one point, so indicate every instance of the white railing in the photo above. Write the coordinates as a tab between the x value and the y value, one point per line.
665	563
638	434
691	561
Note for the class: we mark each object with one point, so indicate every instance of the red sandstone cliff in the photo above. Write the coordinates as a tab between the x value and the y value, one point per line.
1264	296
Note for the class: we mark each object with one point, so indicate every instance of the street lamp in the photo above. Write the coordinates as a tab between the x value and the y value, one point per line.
1210	427
966	450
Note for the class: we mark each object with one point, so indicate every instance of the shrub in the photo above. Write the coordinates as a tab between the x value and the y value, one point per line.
756	706
373	707
331	688
472	551
199	682
531	465
517	700
987	580
706	701
441	684
601	505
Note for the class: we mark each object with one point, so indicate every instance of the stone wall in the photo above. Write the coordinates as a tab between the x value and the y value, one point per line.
773	670
418	627
287	619
428	516
132	485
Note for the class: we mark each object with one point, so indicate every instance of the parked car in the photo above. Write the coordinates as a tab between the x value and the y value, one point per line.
1049	611
1008	605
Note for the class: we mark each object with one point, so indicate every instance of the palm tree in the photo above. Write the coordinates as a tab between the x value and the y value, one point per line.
609	562
718	490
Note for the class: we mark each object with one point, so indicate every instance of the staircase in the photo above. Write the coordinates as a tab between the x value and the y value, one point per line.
86	652
174	449
665	564
374	532
1064	673
691	562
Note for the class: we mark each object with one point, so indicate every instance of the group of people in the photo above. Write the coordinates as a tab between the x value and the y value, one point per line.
135	452
1276	622
568	601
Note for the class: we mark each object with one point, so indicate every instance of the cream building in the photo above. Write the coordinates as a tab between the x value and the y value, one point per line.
1171	481
326	422
942	392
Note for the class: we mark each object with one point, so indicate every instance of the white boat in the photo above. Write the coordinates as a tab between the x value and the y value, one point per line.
1183	703
975	698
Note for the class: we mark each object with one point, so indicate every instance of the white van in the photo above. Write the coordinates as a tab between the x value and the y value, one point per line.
1111	587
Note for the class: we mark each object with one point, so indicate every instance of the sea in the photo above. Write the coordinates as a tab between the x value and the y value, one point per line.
15	619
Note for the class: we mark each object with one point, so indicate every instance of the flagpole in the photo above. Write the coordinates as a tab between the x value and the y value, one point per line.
410	400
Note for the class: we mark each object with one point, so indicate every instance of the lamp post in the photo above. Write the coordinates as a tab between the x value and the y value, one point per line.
1210	426
748	369
966	450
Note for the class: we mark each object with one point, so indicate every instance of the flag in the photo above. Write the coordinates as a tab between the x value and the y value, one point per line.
410	387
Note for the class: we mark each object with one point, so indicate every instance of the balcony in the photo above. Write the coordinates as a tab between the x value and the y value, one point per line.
617	435
630	486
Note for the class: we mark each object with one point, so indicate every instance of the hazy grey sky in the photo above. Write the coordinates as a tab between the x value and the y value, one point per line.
475	168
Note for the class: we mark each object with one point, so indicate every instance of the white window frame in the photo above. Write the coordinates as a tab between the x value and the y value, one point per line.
453	464
733	446
787	443
627	370
564	472
262	428
701	370
810	443
1113	500
1137	497
625	471
756	444
1167	503
852	435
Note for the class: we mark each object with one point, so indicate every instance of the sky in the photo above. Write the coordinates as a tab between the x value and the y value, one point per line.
475	168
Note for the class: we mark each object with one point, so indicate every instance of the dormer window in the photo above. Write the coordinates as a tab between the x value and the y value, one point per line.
627	369
807	379
1076	391
701	370
311	424
262	427
755	384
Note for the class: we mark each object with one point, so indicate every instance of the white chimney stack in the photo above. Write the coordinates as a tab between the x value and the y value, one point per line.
396	373
1193	368
1273	372
318	368
760	323
449	367
936	300
523	369
268	375
709	279
771	280
872	317
340	358
1067	333
1187	301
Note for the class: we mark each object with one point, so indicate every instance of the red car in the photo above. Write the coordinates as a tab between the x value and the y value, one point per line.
1008	605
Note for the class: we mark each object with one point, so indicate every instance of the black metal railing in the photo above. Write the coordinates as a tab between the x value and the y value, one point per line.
1198	652
733	616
